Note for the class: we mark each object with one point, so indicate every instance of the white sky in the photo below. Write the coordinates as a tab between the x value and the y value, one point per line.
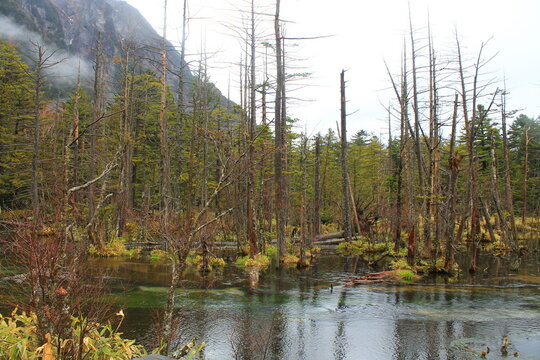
364	33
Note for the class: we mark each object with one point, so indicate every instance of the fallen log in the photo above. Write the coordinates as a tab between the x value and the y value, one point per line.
372	278
329	242
335	235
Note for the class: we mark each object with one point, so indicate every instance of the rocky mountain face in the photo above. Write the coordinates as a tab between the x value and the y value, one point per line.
72	26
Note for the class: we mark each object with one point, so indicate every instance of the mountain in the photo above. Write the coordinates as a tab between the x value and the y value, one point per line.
72	26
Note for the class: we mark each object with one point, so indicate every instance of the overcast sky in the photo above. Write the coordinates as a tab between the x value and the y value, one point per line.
364	35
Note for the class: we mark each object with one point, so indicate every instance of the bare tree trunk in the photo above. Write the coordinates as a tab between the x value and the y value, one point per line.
453	165
344	171
317	189
525	176
402	96
507	183
38	84
495	192
252	235
75	135
280	142
470	133
127	153
97	106
420	162
434	218
303	211
181	103
165	181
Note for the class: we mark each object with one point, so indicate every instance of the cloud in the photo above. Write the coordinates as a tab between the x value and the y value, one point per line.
67	67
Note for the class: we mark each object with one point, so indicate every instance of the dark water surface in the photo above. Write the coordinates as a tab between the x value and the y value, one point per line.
296	315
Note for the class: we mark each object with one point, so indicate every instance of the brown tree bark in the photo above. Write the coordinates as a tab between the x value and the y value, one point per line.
317	189
279	141
344	172
453	166
165	180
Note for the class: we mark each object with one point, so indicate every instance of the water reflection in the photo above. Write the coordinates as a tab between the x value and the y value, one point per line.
294	315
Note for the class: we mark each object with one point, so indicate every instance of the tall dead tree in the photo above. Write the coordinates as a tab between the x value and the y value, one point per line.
317	188
525	175
470	127
251	233
181	99
165	181
43	60
39	65
434	151
453	164
403	100
74	148
126	168
344	171
279	141
97	114
420	162
507	183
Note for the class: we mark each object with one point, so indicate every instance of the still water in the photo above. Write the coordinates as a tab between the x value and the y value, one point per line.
299	315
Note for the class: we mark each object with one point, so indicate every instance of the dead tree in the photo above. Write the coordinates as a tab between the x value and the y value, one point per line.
507	183
344	172
43	60
453	165
317	188
424	210
165	181
97	114
279	141
525	175
250	192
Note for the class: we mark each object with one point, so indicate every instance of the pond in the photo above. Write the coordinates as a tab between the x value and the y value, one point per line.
310	315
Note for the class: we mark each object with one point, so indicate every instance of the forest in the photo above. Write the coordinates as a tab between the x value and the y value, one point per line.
141	161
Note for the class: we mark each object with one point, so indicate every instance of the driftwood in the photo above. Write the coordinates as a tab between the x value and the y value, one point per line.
371	278
336	235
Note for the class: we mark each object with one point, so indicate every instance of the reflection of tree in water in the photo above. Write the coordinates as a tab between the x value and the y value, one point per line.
340	340
258	339
423	338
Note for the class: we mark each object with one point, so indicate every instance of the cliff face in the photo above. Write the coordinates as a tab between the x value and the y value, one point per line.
72	26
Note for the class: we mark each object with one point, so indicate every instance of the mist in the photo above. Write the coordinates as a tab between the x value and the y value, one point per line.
67	65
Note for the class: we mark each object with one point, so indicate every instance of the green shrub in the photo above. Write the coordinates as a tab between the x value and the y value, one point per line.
19	340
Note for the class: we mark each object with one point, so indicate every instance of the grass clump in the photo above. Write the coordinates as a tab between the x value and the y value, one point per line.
158	255
260	261
214	263
290	259
406	276
113	248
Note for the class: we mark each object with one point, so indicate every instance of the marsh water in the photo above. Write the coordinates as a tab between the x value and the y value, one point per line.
308	314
